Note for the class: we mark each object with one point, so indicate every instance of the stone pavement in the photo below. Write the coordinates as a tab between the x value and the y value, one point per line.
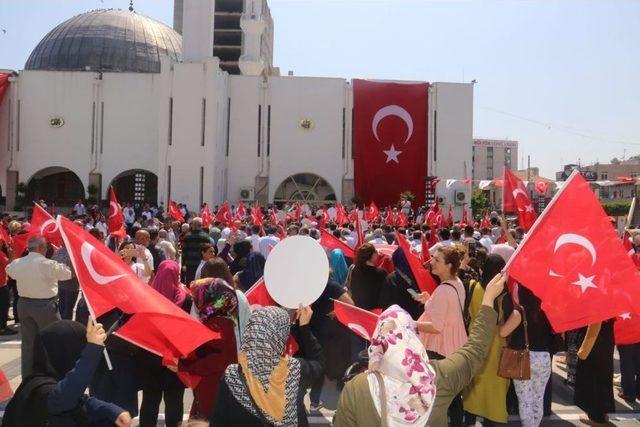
564	413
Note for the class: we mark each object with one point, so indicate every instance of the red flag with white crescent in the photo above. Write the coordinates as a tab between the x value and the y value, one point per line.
107	282
373	213
43	224
389	139
116	218
361	322
516	199
257	294
206	215
574	261
174	211
224	214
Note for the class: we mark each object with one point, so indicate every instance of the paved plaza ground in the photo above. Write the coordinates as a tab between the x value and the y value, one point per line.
564	413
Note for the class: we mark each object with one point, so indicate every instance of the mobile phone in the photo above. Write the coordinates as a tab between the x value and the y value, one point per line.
413	293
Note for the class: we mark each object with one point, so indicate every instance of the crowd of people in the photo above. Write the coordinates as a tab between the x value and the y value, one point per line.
432	360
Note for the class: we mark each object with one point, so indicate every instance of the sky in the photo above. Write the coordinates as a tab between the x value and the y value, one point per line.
559	76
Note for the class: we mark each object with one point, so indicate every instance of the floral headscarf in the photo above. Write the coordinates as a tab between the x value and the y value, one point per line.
399	355
213	297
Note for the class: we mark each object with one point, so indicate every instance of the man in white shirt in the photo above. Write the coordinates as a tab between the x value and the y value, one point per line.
254	238
129	215
268	241
37	282
486	239
143	239
378	237
79	208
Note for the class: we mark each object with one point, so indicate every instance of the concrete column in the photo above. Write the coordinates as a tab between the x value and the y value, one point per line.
253	25
197	29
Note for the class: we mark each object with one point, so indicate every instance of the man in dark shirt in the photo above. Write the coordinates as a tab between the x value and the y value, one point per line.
191	248
157	253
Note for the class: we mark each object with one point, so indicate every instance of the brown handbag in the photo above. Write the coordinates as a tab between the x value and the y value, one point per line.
515	364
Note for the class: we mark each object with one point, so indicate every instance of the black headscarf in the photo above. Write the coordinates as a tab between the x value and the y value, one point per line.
401	265
241	250
56	351
492	266
253	271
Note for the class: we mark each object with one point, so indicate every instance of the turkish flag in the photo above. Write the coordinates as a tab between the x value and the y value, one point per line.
402	220
373	213
541	187
44	225
257	294
626	179
390	138
6	392
241	211
423	277
116	218
174	211
485	223
224	214
433	236
432	213
256	215
465	218
297	212
450	217
359	234
385	249
107	283
516	199
206	215
361	322
574	261
331	242
341	214
4	85
626	329
425	255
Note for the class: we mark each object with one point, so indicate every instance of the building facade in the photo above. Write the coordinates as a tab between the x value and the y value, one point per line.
490	156
186	129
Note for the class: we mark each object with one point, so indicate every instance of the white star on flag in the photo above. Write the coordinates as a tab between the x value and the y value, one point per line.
392	154
625	316
529	208
584	282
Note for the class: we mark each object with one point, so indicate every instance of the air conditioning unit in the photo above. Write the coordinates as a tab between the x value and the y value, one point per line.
460	197
247	193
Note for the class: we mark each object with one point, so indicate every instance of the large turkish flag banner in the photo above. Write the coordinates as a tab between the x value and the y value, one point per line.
574	261
389	140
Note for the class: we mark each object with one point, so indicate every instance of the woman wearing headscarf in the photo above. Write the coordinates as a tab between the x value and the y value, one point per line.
158	382
66	357
216	304
486	395
267	387
395	289
241	251
402	386
338	265
253	271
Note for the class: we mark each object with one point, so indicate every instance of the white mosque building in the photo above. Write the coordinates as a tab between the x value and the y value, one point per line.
112	97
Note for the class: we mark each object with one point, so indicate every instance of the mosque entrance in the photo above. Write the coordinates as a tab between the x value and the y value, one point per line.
135	186
55	184
305	187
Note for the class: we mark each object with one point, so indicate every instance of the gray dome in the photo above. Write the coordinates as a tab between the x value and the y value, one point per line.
106	40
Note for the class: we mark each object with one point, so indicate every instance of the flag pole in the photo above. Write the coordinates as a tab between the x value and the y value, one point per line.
91	312
539	220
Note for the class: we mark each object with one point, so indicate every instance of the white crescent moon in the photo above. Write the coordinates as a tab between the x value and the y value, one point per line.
577	239
114	205
392	110
86	251
360	330
519	191
46	223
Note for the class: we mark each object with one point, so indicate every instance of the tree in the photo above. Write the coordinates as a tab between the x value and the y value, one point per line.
479	202
615	161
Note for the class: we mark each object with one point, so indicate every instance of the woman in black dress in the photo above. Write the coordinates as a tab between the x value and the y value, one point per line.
594	374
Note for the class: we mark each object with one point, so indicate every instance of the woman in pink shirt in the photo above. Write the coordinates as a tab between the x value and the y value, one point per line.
441	325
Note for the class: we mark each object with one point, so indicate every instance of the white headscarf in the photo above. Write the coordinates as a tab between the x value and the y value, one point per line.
399	355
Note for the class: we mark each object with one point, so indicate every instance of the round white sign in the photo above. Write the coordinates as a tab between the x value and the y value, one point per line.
296	272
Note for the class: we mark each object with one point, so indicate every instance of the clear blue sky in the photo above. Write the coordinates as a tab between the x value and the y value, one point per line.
560	76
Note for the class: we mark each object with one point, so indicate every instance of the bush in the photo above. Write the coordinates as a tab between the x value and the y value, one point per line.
616	208
479	203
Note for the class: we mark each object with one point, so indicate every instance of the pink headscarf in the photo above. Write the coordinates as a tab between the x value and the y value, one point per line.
167	282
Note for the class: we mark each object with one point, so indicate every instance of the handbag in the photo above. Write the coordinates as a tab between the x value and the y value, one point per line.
515	364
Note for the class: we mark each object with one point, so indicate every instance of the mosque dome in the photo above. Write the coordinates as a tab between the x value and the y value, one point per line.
106	40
